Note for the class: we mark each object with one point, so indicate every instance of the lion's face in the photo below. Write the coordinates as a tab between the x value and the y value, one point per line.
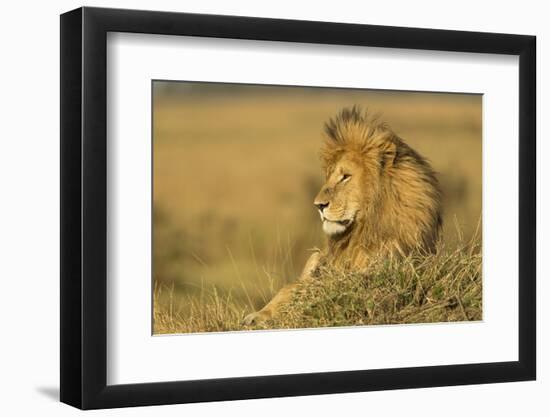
344	196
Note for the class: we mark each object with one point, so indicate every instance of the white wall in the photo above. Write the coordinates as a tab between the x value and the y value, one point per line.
29	238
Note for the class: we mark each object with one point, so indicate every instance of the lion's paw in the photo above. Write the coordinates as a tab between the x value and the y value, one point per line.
255	318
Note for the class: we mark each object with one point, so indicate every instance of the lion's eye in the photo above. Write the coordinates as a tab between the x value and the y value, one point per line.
345	177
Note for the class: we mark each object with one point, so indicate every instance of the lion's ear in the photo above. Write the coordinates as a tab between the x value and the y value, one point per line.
388	154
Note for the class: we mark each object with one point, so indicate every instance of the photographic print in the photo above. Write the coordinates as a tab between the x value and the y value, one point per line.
302	190
293	207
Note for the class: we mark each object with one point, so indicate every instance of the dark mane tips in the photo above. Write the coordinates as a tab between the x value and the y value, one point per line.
347	116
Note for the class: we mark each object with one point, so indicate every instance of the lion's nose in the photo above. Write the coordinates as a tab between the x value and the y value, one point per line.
321	206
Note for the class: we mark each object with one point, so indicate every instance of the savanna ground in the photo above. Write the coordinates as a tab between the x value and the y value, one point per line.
235	173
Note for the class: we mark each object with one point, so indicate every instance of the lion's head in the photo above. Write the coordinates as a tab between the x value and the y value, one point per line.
378	193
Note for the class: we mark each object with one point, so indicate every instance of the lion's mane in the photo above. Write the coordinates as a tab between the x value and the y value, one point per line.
406	212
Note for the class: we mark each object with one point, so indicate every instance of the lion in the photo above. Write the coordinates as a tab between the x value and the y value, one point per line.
381	198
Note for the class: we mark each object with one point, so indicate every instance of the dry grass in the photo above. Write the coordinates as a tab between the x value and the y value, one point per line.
419	289
441	287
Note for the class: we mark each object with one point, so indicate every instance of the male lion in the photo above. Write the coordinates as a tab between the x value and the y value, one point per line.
380	198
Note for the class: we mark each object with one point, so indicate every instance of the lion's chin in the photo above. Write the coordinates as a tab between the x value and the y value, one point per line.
335	228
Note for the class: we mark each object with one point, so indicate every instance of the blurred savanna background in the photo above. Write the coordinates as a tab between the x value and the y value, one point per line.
235	172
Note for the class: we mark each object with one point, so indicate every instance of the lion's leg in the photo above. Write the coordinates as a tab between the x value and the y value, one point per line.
284	295
311	265
270	309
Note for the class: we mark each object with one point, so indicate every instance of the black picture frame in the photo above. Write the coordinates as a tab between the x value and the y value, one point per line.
84	207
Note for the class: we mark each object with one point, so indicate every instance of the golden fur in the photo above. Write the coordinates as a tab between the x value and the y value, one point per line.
380	198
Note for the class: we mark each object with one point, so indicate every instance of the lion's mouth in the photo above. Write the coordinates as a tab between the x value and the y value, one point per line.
336	227
345	222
